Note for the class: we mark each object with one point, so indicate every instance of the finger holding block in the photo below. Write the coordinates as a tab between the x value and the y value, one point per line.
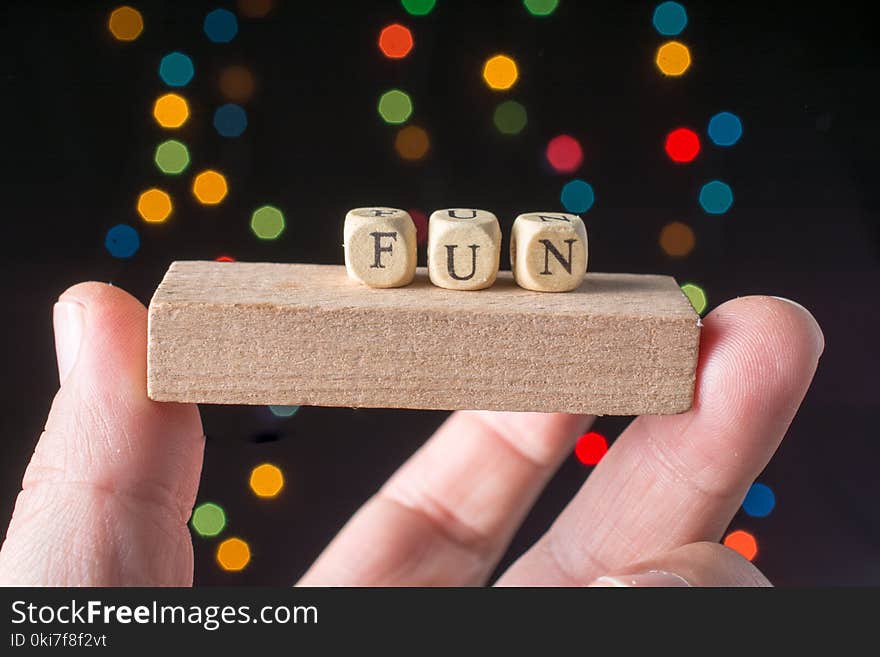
548	251
464	248
380	246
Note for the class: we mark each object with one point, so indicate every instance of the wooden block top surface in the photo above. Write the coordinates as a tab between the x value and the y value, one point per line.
291	285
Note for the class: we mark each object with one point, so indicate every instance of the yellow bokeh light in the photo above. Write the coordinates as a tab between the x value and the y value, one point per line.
125	24
673	58
233	554
677	239
267	480
154	205
171	111
210	187
500	72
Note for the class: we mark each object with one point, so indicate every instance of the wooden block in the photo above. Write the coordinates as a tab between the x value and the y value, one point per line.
261	333
464	248
548	251
380	246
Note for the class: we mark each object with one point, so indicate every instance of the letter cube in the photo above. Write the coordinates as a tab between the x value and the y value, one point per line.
464	248
548	251
380	246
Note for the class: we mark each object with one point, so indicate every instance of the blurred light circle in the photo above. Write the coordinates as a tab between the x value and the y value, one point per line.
682	145
171	111
267	222
743	542
208	519
716	197
590	448
176	69
418	7
172	157
395	106
412	143
395	41
283	411
670	18
266	480
759	501
237	83
233	554
125	23
220	26
673	58
154	205
696	295
540	7
725	129
564	153
122	241
230	120
255	8
500	72
209	187
677	239
577	196
510	117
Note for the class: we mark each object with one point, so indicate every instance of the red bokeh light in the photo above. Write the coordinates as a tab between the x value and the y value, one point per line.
420	219
395	41
682	145
590	448
564	153
224	258
743	542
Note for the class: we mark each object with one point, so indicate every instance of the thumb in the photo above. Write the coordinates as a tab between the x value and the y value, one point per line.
111	484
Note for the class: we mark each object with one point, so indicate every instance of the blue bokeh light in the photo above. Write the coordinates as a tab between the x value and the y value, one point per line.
577	196
725	129
122	241
176	69
759	501
230	120
221	26
670	18
716	197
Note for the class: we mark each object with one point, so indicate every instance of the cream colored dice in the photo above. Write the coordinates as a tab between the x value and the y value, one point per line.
548	251
380	246
464	248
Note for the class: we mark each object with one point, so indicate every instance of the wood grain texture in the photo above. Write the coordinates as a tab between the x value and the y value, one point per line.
264	333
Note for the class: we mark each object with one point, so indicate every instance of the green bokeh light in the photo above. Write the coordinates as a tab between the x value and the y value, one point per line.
284	411
208	519
395	106
696	295
510	117
541	7
267	222
418	7
172	157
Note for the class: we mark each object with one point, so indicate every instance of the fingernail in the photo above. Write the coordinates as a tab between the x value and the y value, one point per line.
652	578
67	319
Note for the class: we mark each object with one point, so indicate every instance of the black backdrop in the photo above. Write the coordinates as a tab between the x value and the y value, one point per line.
77	143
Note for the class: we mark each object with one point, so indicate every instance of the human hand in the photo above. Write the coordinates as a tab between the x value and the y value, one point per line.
113	479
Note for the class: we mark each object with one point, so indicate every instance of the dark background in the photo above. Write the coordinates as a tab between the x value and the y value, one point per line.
77	144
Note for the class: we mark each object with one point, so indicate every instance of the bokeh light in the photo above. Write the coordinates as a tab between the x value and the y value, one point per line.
412	143
237	83
577	196
670	18
230	120
255	8
673	58
171	111
395	41
209	187
540	7
725	129
266	480
510	117
208	519
283	411
743	542
267	222
697	296
395	106
500	72
716	197
224	258
220	26
154	205
590	448
677	239
420	219
564	153
759	501
172	157
418	7
176	69
125	23
233	554
682	145
122	241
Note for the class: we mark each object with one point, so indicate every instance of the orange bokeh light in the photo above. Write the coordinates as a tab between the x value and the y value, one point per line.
171	111
237	83
395	41
233	554
412	143
126	23
743	542
154	206
210	187
677	239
